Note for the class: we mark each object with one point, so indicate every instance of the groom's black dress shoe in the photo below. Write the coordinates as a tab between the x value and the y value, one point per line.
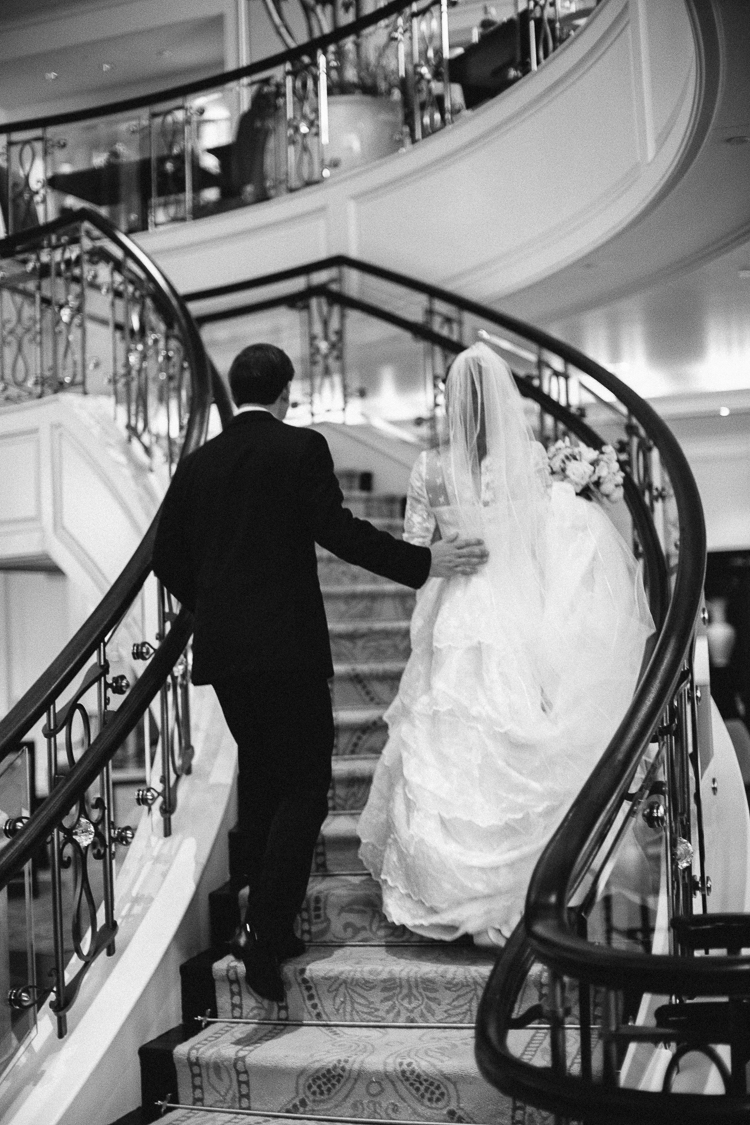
261	962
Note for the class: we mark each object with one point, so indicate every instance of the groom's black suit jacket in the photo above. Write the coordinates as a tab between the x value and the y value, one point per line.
236	545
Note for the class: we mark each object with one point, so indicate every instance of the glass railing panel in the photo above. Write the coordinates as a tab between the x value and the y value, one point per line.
101	163
365	96
22	962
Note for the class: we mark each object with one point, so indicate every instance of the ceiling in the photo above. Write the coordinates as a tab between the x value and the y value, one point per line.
41	75
689	333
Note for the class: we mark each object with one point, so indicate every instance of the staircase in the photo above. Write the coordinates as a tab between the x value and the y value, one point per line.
378	1023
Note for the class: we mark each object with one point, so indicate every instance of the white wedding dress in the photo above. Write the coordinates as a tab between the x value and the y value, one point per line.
518	677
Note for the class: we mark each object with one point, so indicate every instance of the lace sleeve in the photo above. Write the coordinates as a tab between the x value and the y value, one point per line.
419	522
541	464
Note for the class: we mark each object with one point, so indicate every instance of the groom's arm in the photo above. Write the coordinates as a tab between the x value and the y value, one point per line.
355	540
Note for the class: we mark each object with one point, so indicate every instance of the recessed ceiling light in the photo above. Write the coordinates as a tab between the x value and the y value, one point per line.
106	66
724	411
51	75
737	139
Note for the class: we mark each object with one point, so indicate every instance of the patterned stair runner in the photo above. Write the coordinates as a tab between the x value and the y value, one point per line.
377	1022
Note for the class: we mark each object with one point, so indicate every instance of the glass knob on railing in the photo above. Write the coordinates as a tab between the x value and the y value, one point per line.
143	650
83	832
118	685
13	826
682	853
124	835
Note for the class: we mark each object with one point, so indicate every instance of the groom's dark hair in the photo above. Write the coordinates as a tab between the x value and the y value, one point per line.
259	374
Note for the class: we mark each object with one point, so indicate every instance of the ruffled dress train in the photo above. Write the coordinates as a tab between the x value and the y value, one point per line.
507	702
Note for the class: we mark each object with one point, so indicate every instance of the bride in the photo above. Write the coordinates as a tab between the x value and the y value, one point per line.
519	674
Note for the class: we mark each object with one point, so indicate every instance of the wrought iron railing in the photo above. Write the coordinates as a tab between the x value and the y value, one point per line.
584	974
75	287
389	77
585	971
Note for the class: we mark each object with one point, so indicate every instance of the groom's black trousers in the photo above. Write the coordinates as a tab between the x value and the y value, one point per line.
283	726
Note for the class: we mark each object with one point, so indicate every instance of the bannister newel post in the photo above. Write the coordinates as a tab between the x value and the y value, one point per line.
39	332
54	314
532	38
187	147
9	184
401	70
152	165
416	108
45	176
58	939
323	113
165	733
82	313
289	109
445	51
106	794
557	1023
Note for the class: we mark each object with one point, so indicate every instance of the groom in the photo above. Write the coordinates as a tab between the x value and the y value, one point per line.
236	545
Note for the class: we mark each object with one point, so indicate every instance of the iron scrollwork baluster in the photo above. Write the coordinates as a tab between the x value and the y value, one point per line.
85	836
175	736
325	332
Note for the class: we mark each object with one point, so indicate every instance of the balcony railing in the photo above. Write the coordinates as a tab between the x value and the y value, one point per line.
362	87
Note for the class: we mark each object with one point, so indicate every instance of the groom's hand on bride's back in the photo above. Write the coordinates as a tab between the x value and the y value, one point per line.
453	556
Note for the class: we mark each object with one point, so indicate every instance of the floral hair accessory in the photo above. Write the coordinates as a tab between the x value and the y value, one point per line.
592	472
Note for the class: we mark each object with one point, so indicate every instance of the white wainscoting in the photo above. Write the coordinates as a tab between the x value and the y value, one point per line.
81	495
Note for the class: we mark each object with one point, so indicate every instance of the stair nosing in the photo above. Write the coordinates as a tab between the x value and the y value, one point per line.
368	589
396	625
369	668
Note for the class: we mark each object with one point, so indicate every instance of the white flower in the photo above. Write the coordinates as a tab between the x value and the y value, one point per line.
588	454
579	474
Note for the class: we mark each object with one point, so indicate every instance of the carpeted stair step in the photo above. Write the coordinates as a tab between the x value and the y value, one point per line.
408	1073
365	642
374	505
346	909
352	777
214	1117
373	601
427	983
333	571
366	685
360	731
337	849
340	908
